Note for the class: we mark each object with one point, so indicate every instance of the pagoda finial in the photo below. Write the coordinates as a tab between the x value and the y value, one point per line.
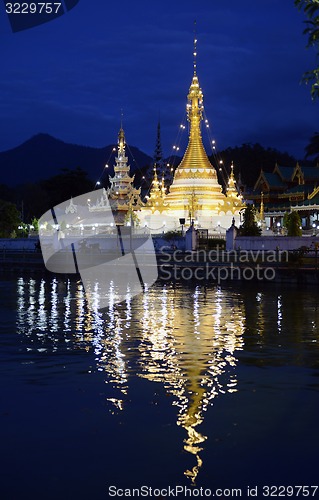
122	117
262	207
121	138
195	49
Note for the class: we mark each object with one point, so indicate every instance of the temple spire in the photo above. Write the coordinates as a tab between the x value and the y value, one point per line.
195	178
122	196
195	49
156	198
233	201
195	157
158	155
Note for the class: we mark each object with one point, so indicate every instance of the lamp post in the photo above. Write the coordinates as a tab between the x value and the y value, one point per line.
182	223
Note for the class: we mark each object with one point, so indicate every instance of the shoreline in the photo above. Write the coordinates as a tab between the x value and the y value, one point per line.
185	269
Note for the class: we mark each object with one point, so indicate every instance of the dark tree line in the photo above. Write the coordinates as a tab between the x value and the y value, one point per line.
33	199
311	10
249	159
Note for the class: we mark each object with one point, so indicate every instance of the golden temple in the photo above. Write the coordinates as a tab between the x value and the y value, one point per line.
195	178
195	193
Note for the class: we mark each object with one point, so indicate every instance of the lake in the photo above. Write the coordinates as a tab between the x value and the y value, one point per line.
213	387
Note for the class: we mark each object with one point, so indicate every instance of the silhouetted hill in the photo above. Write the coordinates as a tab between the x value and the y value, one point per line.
44	156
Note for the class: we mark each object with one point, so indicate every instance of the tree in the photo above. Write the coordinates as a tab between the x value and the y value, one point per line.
292	222
249	226
67	184
249	158
9	219
311	9
313	147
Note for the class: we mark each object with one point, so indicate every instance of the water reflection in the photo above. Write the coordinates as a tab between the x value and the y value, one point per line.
186	342
187	339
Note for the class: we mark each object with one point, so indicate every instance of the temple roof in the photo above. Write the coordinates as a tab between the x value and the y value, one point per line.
285	173
271	180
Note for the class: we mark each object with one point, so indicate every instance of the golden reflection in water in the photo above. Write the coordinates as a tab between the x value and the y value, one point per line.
189	345
111	329
260	323
185	341
279	312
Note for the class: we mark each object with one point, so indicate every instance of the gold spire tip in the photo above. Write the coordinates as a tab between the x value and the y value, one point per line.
195	48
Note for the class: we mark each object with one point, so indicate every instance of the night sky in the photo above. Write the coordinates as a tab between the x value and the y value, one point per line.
72	76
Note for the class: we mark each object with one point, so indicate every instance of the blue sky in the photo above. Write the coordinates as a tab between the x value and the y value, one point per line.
72	76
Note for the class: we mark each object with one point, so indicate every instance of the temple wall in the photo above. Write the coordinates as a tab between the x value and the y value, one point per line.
159	223
255	243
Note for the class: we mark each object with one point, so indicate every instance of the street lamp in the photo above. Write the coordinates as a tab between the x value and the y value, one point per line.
182	223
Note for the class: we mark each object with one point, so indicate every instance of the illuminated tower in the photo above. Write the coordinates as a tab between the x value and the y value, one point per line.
233	201
122	196
156	199
195	190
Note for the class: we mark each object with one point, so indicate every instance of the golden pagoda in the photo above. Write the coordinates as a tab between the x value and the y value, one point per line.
121	196
195	190
233	201
156	199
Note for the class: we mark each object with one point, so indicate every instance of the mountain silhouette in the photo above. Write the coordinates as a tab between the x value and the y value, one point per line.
44	156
